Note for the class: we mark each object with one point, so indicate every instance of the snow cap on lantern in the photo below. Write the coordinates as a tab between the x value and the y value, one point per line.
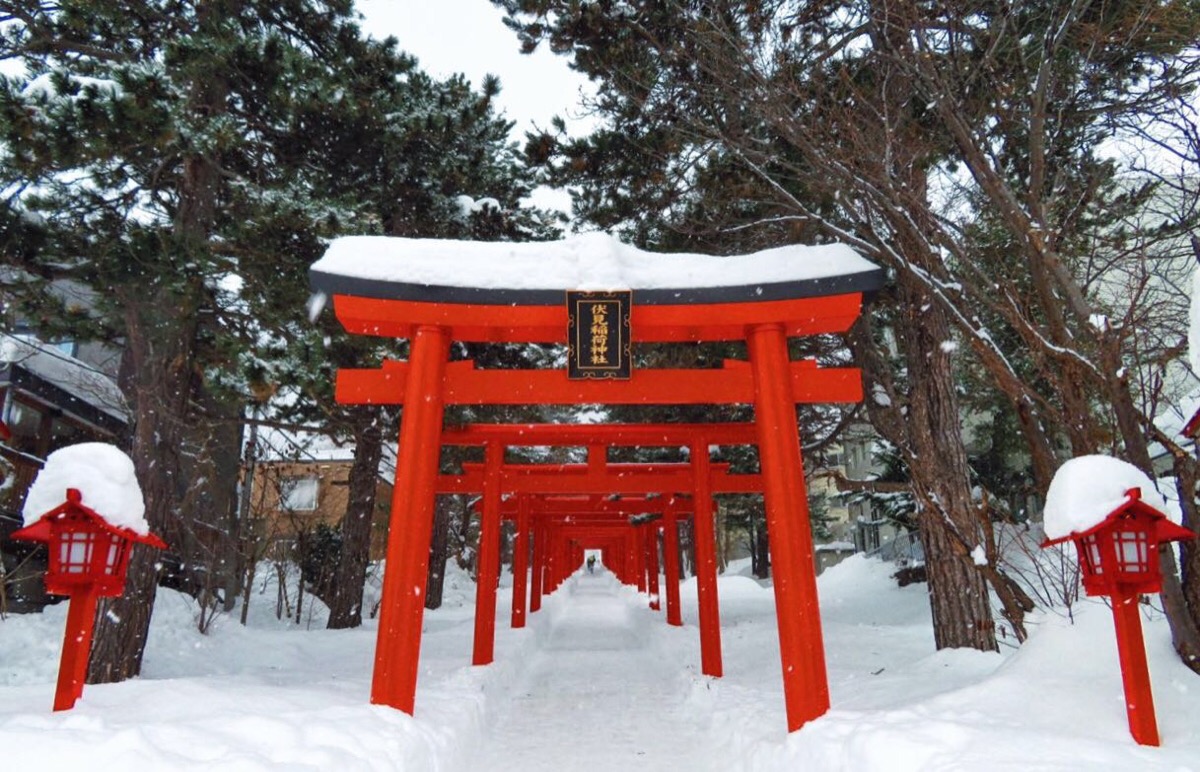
87	507
1111	511
104	477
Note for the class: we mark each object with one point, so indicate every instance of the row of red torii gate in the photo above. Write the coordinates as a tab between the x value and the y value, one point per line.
600	298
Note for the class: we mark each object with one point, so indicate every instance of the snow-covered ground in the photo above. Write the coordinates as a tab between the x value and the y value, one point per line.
599	682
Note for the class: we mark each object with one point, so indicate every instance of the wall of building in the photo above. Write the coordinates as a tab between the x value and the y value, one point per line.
282	511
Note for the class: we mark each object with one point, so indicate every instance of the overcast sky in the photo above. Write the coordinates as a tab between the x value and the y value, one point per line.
469	37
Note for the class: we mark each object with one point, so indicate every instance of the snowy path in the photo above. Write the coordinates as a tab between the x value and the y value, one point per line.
596	694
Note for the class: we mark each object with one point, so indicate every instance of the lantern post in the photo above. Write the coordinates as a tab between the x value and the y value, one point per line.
88	560
1118	558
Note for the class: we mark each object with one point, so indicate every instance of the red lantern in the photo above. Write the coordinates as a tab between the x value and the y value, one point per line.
85	549
1118	557
88	560
1120	554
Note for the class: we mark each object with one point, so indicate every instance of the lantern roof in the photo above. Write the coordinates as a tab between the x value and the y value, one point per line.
39	529
1133	506
537	273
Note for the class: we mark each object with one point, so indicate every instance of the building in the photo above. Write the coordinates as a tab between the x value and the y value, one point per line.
851	520
291	496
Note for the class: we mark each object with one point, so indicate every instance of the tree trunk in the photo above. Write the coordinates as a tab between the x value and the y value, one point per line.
1181	588
687	547
760	548
439	552
722	536
247	590
242	527
157	374
465	538
958	593
299	596
207	491
345	603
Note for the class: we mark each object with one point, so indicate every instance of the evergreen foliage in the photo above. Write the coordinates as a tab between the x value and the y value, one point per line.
182	161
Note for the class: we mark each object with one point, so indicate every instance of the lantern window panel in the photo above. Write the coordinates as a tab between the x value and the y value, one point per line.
1091	555
75	552
113	559
1132	551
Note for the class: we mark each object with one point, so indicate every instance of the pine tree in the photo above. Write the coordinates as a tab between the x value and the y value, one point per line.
184	159
411	157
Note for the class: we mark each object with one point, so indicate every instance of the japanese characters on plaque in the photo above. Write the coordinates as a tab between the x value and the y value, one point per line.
598	334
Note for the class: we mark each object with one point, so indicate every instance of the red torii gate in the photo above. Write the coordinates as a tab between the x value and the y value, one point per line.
495	479
597	516
414	289
602	522
599	476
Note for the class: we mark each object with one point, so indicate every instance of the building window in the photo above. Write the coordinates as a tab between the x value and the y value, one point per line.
298	494
866	536
68	347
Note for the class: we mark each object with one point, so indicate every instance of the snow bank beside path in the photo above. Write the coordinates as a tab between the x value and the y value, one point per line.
272	696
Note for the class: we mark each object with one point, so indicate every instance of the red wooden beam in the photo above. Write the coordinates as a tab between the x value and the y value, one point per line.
466	385
548	324
619	478
646	435
549	504
595	536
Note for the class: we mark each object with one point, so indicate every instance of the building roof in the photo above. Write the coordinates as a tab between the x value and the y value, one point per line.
61	381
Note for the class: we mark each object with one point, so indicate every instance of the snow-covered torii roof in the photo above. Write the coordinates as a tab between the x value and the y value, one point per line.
537	273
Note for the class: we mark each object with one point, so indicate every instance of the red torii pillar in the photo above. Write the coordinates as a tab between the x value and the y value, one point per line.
805	684
704	530
487	567
597	475
536	581
638	553
651	537
521	561
670	526
398	643
538	522
553	559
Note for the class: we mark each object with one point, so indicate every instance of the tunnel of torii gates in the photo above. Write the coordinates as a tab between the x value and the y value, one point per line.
616	508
